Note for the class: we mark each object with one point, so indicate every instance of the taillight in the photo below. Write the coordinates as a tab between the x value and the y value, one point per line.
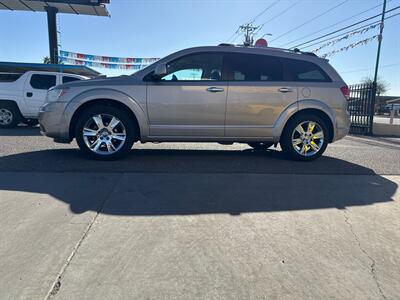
345	91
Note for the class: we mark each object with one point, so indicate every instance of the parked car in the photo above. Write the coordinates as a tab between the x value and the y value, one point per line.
226	94
22	94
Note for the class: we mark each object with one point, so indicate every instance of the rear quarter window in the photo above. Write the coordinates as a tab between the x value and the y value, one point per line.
303	71
43	82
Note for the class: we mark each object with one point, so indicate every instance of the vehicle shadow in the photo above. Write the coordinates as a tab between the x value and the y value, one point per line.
21	130
186	182
179	161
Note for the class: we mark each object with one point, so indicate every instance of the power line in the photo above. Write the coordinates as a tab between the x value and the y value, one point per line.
344	28
234	36
278	15
263	11
310	20
337	23
364	26
367	69
350	31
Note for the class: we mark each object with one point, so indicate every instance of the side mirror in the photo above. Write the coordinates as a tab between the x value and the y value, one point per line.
160	70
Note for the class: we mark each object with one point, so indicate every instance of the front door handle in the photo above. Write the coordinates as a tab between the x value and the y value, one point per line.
286	89
215	89
29	94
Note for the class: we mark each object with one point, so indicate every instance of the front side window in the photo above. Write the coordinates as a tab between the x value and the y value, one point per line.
299	70
253	67
196	67
67	79
43	82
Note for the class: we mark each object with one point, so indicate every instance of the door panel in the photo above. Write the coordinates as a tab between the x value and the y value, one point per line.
257	94
190	99
35	91
253	107
186	108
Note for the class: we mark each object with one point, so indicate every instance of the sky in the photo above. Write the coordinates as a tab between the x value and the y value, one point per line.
155	28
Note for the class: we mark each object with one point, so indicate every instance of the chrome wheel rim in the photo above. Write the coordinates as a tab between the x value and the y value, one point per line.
6	116
104	134
308	138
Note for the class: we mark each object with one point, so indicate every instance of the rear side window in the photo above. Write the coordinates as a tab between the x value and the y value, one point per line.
43	82
299	70
252	67
67	79
9	77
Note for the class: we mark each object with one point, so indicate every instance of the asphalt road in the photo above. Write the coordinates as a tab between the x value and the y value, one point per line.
198	221
24	149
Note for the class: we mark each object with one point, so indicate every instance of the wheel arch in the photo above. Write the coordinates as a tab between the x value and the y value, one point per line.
13	103
107	102
312	106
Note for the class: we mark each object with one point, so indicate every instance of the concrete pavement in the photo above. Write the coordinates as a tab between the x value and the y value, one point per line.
180	236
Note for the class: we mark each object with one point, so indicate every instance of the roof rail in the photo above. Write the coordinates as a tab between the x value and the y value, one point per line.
295	50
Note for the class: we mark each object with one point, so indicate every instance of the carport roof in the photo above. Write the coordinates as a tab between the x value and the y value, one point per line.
79	7
15	67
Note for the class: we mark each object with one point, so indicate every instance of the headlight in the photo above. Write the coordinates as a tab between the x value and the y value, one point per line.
55	94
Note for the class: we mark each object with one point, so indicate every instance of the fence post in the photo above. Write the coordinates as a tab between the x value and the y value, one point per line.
372	112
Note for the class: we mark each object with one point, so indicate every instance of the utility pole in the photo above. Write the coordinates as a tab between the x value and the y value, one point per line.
248	30
378	54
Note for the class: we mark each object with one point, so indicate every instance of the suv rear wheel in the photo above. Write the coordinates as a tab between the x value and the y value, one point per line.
305	137
105	132
9	115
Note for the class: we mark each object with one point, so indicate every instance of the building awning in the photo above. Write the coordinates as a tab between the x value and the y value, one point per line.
14	67
78	7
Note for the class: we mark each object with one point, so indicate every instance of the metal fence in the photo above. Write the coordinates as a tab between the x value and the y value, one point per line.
361	108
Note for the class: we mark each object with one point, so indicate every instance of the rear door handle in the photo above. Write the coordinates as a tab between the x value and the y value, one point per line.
29	94
215	89
286	89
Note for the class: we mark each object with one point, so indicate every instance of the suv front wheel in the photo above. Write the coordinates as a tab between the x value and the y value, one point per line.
305	137
105	132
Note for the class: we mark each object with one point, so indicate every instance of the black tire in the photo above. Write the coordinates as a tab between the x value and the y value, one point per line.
12	111
286	138
31	122
260	145
103	110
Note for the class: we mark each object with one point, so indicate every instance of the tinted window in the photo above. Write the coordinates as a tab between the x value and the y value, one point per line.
67	79
43	82
206	66
9	77
299	70
250	67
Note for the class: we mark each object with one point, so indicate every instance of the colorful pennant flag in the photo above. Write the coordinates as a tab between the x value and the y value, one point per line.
120	63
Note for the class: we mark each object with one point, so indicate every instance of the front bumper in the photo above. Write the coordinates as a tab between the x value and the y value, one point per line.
53	122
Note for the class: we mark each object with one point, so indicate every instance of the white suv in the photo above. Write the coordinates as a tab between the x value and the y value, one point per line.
22	94
226	94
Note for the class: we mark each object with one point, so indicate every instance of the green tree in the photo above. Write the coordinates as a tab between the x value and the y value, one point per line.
46	60
382	87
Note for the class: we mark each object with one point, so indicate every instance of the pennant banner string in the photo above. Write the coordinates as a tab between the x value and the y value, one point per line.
351	46
106	65
107	59
347	36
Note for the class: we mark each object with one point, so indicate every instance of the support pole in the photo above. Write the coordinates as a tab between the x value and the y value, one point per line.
52	28
378	54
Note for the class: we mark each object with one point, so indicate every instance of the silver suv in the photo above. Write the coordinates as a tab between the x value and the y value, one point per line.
255	95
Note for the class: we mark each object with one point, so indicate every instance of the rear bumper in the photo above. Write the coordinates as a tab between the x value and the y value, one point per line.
342	125
52	122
